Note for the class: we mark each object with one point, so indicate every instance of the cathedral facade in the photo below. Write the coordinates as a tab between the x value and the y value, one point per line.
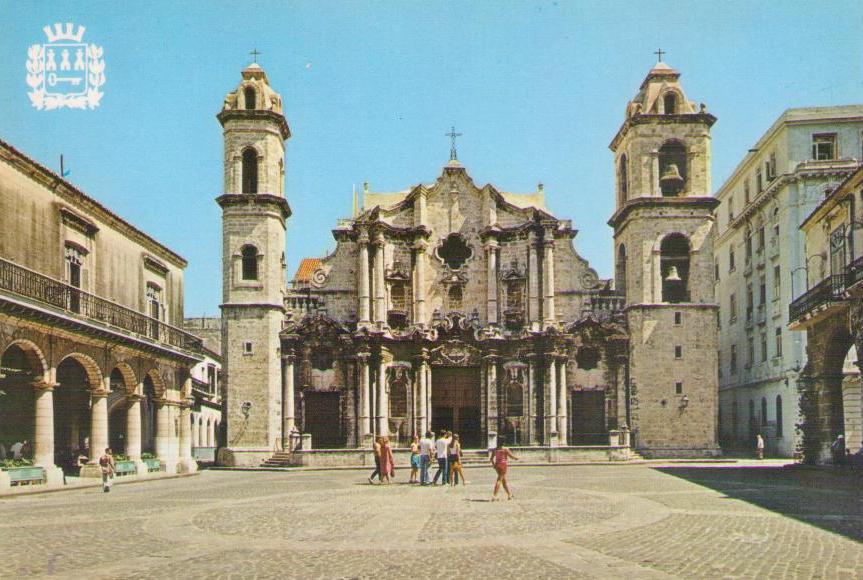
455	305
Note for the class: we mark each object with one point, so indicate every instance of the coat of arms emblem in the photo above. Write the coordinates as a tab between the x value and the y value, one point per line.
65	72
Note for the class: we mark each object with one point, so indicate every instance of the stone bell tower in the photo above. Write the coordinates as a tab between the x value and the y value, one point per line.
254	210
663	235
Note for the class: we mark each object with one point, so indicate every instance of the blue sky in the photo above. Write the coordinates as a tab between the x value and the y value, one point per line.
370	89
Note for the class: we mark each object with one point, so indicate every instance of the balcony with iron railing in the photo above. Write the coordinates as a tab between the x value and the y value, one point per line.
74	303
817	300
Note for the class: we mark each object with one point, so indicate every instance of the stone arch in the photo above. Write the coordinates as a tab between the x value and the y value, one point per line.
159	386
249	261
674	263
32	353
22	365
673	152
671	102
91	368
130	381
249	97
623	178
249	160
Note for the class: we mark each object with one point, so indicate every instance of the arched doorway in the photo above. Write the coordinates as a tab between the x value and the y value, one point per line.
72	409
19	369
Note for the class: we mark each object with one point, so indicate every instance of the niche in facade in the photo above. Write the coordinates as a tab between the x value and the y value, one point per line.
587	358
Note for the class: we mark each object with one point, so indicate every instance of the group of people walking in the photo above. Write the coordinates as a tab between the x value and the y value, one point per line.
447	450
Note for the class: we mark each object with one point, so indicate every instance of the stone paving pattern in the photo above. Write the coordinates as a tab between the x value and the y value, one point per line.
638	521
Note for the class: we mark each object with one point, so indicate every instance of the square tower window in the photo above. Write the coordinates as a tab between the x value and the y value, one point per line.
678	388
678	318
247	347
678	352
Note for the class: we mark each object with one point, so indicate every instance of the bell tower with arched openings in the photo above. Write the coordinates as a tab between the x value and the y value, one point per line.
663	236
254	214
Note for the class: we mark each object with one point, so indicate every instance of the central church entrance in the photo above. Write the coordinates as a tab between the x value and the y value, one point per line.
456	403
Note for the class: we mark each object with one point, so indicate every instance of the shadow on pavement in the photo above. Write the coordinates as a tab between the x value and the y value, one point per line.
829	499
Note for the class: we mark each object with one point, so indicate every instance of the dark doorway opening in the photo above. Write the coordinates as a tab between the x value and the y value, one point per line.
456	403
588	418
322	418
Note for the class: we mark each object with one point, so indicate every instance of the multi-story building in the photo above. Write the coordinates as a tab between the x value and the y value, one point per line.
207	401
830	312
761	265
90	348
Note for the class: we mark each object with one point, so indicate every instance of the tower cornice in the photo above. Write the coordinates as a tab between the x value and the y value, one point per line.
651	119
700	202
256	115
248	199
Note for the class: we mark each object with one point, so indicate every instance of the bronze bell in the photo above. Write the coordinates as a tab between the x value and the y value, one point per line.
673	276
671	177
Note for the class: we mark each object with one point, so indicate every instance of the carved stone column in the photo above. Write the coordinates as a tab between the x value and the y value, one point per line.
165	436
365	425
363	274
288	396
562	416
533	314
491	276
187	463
549	318
532	373
98	424
422	412
550	405
420	282
491	411
43	440
380	314
383	400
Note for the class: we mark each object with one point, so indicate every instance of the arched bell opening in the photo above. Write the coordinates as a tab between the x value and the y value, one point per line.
674	268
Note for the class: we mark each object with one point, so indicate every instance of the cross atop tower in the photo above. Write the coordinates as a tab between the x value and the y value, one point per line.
255	54
659	52
453	154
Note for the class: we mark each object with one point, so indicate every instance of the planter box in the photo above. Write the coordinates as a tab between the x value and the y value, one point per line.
153	464
25	475
125	467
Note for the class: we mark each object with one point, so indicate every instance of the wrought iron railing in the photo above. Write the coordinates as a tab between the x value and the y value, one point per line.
80	304
854	272
830	289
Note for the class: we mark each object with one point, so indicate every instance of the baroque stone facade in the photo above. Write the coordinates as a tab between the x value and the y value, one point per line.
462	306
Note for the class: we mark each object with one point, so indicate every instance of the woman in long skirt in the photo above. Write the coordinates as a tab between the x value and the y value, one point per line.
387	462
499	459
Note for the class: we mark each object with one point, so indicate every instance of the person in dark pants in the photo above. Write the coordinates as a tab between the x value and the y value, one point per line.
837	450
441	447
376	448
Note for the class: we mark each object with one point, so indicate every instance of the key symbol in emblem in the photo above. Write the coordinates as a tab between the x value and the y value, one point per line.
53	79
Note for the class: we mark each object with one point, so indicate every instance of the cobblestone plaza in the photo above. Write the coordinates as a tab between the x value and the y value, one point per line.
609	521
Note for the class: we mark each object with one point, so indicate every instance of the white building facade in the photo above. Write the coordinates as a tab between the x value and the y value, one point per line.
761	264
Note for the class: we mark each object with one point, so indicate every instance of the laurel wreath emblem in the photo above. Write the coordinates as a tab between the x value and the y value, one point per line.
36	81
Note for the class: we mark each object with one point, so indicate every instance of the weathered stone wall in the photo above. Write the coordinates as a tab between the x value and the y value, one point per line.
662	422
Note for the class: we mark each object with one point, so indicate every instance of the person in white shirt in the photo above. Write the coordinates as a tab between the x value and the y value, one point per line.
426	451
441	447
16	449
